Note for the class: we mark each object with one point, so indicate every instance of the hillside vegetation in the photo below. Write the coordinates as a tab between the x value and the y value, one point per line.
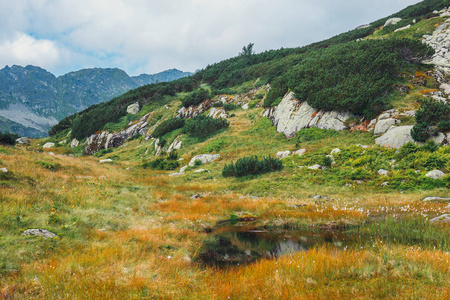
175	211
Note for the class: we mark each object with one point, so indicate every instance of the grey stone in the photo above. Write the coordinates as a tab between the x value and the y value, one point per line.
440	138
335	151
74	143
444	219
201	171
217	113
48	145
23	140
204	158
4	170
383	172
436	199
359	181
108	160
40	232
385	183
133	108
245	106
318	197
392	21
283	154
196	196
176	145
51	153
402	28
395	137
384	125
387	114
299	152
317	167
435	174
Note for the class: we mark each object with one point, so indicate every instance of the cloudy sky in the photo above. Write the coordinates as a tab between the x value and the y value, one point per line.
149	36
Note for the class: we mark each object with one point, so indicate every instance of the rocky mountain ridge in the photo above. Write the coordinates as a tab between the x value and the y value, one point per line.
32	99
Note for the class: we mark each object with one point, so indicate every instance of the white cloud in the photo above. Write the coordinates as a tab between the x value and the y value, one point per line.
152	35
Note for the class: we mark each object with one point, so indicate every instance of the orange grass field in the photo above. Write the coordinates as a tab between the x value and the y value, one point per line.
134	234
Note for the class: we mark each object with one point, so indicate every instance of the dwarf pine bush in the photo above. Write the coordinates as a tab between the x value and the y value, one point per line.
252	165
168	126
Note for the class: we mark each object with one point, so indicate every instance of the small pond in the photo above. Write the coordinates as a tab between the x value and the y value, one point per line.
235	245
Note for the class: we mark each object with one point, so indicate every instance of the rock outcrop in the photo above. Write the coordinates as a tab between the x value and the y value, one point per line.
176	145
74	143
133	108
395	137
23	140
217	113
106	139
40	232
440	42
392	21
48	145
204	158
435	174
291	115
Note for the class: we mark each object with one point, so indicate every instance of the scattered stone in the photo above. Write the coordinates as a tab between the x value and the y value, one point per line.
23	140
362	146
359	181
74	143
40	232
444	219
63	142
48	145
197	196
335	151
318	197
348	185
133	108
202	171
395	137
4	170
108	160
51	153
436	199
217	113
299	152
204	158
283	154
245	106
317	167
435	174
385	183
392	21
384	125
383	172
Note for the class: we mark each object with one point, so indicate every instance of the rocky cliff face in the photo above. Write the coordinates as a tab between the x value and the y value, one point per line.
33	100
291	115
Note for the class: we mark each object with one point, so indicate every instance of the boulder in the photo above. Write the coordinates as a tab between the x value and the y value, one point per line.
388	114
383	172
283	154
444	219
436	199
23	140
435	174
246	106
291	115
383	125
48	145
40	232
176	145
133	108
299	152
217	113
439	40
317	167
384	184
74	143
108	160
335	151
395	137
204	158
440	138
392	21
4	170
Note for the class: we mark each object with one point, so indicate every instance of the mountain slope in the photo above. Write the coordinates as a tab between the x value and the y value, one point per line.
35	99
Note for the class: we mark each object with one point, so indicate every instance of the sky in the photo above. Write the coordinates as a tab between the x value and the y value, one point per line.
149	36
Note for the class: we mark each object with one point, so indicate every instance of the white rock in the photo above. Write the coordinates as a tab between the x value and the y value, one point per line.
245	106
335	151
385	183
383	172
436	199
435	174
299	152
204	158
201	171
133	108
74	143
403	28
51	153
444	219
40	232
392	21
439	139
23	140
4	170
387	114
283	154
108	160
317	167
395	137
48	145
384	125
176	145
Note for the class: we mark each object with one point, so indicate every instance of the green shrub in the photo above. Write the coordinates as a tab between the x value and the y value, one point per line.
48	165
173	155
168	126
230	106
218	104
431	113
161	164
197	163
8	138
443	126
202	126
214	146
252	165
314	134
103	152
195	98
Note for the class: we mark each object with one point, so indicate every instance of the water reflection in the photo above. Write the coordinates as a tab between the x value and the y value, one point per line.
234	245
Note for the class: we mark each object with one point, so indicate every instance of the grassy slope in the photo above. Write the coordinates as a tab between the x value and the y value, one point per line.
135	233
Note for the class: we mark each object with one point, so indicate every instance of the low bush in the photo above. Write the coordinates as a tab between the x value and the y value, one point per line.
252	165
103	152
314	134
431	113
230	106
161	164
168	126
8	138
48	165
202	126
195	98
